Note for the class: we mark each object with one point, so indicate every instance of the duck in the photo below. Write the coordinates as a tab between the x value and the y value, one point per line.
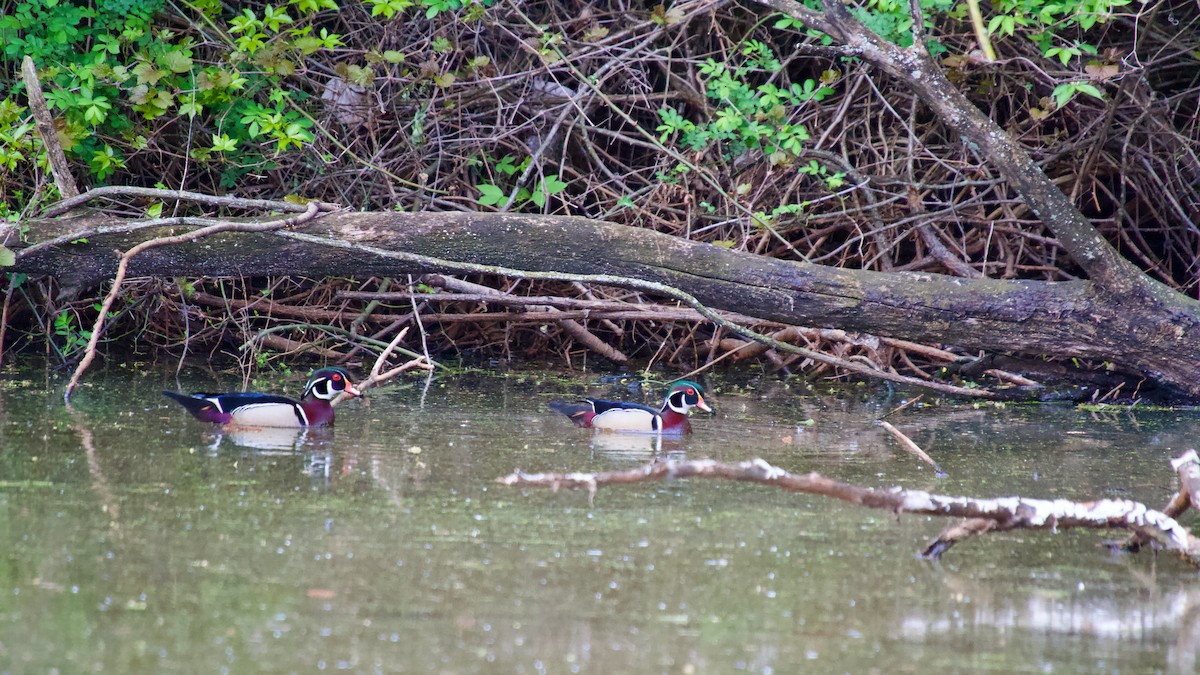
671	418
253	409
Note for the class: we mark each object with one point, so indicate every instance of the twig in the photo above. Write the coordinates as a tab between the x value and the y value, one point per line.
288	346
311	212
332	330
376	377
61	207
575	329
1006	513
981	34
912	448
902	406
1014	378
45	126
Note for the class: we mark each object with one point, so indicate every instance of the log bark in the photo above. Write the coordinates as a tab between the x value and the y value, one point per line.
1159	341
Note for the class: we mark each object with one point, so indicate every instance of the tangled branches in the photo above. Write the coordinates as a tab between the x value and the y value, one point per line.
562	108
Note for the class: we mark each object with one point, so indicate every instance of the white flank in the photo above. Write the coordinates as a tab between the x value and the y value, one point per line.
267	415
625	420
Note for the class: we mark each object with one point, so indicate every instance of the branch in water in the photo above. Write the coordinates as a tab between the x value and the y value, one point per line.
985	515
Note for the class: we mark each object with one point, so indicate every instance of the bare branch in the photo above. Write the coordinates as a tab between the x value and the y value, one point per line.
65	205
1104	264
377	377
1002	514
642	285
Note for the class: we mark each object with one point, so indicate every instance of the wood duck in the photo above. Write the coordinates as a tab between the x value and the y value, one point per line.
671	418
252	409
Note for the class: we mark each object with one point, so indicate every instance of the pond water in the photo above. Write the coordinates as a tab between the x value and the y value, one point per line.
138	540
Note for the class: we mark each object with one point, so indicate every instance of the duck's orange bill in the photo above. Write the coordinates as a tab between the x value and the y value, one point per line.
703	406
351	390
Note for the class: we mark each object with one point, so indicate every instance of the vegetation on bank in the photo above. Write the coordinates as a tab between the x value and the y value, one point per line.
708	120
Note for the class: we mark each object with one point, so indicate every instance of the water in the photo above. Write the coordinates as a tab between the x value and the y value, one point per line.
137	540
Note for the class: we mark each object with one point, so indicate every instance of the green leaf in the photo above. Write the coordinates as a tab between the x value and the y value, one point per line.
490	194
177	61
191	109
7	257
1062	94
552	185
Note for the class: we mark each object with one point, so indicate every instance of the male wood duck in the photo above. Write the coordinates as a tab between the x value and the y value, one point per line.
672	418
252	409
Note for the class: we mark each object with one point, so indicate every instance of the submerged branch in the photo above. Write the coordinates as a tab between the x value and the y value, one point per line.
985	515
911	447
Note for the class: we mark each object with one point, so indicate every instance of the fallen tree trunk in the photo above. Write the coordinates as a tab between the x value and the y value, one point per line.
1159	341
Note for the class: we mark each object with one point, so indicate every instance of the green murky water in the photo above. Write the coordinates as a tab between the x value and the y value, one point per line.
139	541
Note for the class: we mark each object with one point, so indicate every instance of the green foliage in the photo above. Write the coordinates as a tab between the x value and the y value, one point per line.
1056	26
390	8
495	195
1063	93
118	78
891	20
115	78
833	181
751	117
492	195
1045	16
73	337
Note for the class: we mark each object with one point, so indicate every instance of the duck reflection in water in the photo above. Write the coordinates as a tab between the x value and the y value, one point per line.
272	439
636	447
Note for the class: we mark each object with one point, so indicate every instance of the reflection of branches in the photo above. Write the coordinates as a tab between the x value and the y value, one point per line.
985	515
99	482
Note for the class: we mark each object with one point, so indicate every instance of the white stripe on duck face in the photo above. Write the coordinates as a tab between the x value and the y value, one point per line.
627	419
270	415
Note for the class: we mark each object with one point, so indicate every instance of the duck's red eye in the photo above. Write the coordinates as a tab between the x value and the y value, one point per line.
337	378
691	392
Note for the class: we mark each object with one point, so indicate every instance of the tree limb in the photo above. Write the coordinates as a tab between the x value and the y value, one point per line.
986	515
915	69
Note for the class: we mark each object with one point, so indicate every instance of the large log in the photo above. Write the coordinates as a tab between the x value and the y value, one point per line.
1152	336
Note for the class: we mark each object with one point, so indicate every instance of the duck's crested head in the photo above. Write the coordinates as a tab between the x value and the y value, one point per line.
327	383
686	395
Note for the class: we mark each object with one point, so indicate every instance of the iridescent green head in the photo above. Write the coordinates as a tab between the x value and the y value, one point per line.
686	395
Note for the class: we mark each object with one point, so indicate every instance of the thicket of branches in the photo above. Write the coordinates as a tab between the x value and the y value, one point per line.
709	120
